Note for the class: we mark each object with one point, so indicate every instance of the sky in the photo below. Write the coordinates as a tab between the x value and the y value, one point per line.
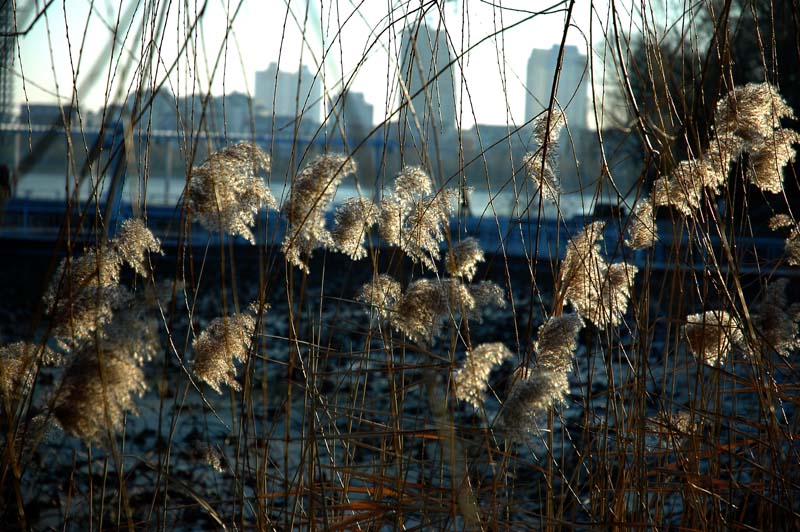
105	47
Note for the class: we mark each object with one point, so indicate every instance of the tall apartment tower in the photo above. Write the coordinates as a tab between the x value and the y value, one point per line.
572	86
425	68
571	97
348	124
292	92
351	115
7	46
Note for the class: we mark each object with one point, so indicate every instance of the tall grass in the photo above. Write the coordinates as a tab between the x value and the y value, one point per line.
278	362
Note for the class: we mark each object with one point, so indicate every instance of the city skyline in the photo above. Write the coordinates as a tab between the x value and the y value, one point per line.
363	55
298	93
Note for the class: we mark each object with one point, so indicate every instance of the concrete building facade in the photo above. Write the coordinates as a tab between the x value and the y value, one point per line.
572	91
426	73
289	94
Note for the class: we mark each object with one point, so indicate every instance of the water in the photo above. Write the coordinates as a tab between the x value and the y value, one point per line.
168	191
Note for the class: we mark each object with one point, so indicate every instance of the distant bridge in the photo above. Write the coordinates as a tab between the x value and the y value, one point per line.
167	135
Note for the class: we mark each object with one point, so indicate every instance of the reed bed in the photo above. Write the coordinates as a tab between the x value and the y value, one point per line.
372	365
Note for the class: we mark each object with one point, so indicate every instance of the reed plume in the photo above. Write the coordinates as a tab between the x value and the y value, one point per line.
471	379
412	183
542	164
582	267
751	112
670	429
18	363
557	341
312	191
792	245
528	398
464	259
224	193
642	228
711	336
224	340
598	291
485	294
390	221
84	292
424	227
98	388
133	243
769	158
747	120
414	220
615	293
353	219
382	294
723	149
776	322
683	189
419	311
209	455
132	330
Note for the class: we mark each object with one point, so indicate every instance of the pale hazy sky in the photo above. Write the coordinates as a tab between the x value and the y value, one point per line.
354	40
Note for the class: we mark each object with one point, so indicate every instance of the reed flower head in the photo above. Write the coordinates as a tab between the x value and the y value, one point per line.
670	429
97	390
711	335
557	341
224	340
353	219
528	398
132	331
542	171
547	127
485	294
390	223
723	149
792	245
133	242
615	292
413	219
583	266
77	310
419	310
598	291
464	259
769	158
542	165
312	191
642	228
209	455
18	363
683	189
471	379
779	221
224	194
426	302
751	112
775	322
412	183
424	228
98	267
382	294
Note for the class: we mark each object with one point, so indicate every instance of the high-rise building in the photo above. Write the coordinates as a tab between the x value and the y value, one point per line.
293	93
7	46
572	84
428	77
349	123
351	116
571	98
